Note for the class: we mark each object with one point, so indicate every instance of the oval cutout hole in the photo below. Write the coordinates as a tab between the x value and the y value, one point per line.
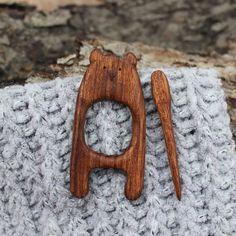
108	127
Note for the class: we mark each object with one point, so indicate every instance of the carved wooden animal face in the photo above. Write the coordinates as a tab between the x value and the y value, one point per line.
109	77
112	67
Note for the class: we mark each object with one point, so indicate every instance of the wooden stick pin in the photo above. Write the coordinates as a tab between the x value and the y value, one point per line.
162	100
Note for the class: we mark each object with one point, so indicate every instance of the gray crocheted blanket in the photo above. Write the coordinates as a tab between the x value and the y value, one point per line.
35	143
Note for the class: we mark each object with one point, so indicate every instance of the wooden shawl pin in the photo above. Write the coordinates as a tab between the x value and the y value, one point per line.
109	77
162	100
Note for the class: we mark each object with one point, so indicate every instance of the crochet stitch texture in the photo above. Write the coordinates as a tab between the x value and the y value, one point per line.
35	143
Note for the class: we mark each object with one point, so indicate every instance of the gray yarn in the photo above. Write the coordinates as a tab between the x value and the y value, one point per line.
35	141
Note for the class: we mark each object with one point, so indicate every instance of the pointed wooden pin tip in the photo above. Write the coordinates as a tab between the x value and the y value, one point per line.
178	195
178	191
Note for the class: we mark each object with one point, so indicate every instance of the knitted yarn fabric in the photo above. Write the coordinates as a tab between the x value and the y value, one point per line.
36	123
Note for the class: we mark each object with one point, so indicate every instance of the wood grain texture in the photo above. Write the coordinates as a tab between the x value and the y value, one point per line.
162	99
109	77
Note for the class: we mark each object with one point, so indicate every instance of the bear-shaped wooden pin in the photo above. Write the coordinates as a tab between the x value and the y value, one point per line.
109	77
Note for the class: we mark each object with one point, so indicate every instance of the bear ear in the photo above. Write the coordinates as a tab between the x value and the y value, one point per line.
131	58
95	55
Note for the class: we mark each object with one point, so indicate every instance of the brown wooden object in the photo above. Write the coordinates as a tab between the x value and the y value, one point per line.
109	77
162	99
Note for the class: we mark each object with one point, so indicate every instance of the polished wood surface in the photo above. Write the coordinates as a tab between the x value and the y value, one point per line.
109	78
162	99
